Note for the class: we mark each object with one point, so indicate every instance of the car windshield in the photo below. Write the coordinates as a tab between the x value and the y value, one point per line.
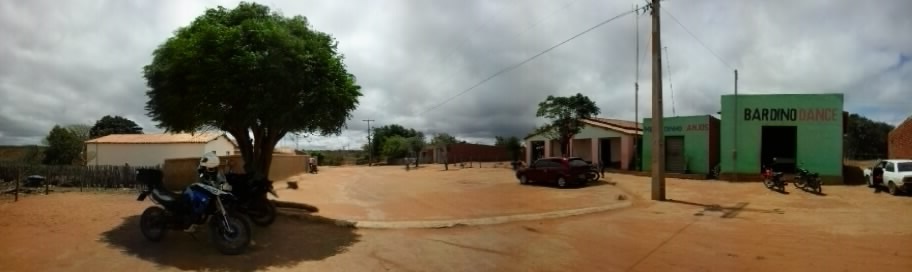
578	162
904	167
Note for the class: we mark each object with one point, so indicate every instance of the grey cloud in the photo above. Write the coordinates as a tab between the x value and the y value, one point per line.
75	65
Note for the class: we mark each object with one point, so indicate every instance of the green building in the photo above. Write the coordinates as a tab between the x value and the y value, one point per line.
796	129
691	144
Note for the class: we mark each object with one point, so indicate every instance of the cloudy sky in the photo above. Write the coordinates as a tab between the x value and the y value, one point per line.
64	62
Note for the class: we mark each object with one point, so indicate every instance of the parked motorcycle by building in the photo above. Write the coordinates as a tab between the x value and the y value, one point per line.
773	180
807	180
593	174
199	204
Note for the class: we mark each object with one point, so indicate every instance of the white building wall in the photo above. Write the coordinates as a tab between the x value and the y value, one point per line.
222	147
143	154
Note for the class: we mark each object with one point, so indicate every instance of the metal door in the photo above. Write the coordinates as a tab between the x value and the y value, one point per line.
674	154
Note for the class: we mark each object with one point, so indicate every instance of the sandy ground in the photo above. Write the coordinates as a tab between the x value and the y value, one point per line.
705	226
389	193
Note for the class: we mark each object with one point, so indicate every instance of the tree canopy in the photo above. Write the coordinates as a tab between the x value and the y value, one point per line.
64	147
382	134
253	73
866	139
395	147
441	140
566	116
108	125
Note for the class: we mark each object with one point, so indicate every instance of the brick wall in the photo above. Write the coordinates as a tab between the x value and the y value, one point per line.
477	152
899	141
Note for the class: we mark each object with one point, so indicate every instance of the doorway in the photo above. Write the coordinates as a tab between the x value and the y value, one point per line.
674	154
781	143
538	150
605	152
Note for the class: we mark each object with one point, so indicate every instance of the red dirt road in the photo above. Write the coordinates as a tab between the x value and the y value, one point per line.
389	193
707	226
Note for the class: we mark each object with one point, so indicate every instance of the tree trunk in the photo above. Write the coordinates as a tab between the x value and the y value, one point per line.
257	154
564	146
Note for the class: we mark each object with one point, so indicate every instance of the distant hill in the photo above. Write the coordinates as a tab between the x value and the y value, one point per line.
20	153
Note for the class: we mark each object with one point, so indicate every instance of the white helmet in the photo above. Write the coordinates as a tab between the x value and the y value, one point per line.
210	160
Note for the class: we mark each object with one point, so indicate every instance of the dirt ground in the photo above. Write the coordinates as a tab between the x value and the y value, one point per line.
389	193
704	226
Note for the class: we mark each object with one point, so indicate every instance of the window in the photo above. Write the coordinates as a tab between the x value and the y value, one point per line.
541	164
578	163
904	167
890	167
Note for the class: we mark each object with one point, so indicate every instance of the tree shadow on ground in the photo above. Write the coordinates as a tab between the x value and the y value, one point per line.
727	212
286	243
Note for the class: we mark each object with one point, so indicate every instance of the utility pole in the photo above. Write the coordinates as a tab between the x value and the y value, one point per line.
658	143
735	127
370	149
636	94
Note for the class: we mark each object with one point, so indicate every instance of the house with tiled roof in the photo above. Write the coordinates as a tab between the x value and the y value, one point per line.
154	149
602	140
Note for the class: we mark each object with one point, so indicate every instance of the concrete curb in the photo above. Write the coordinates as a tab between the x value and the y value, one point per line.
448	223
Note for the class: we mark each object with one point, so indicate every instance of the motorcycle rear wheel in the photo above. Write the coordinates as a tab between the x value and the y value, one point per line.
230	243
153	223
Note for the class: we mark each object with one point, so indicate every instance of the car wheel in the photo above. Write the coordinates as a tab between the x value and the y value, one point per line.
562	182
891	187
523	180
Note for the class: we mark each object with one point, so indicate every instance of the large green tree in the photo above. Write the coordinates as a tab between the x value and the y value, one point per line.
381	134
865	139
253	73
566	116
395	147
108	125
64	147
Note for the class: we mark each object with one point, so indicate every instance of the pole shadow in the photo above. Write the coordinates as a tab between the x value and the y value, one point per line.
727	212
286	243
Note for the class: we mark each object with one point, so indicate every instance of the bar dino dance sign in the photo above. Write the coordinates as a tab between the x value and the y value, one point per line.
791	114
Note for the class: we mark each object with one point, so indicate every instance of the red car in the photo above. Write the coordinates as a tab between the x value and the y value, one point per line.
563	171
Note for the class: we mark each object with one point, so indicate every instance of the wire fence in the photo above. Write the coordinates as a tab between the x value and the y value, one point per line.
19	179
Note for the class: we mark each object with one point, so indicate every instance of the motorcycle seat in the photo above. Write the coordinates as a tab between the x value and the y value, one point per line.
165	195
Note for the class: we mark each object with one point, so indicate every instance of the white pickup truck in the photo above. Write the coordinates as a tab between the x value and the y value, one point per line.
895	174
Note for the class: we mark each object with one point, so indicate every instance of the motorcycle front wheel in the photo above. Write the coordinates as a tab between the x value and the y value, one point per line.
233	241
768	183
263	212
153	223
800	182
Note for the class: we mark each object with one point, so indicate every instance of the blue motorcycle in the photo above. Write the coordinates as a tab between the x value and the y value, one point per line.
199	204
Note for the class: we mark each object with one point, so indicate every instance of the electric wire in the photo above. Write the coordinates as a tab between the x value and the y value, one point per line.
695	38
517	65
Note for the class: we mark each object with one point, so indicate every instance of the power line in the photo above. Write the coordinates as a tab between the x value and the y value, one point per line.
670	87
519	34
698	39
512	67
450	54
